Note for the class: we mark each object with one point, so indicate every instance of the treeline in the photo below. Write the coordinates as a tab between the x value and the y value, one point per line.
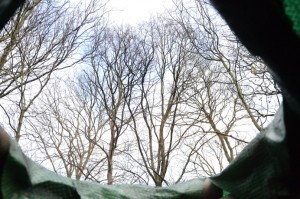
157	103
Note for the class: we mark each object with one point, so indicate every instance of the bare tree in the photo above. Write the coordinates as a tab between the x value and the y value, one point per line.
209	160
42	39
69	122
114	60
214	42
160	127
227	86
217	108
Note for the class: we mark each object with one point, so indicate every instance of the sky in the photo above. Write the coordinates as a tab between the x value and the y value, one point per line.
136	11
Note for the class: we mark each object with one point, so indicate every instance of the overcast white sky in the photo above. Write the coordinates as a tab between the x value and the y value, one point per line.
135	11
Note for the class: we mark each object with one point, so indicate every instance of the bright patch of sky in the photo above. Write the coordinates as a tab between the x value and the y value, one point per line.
136	11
